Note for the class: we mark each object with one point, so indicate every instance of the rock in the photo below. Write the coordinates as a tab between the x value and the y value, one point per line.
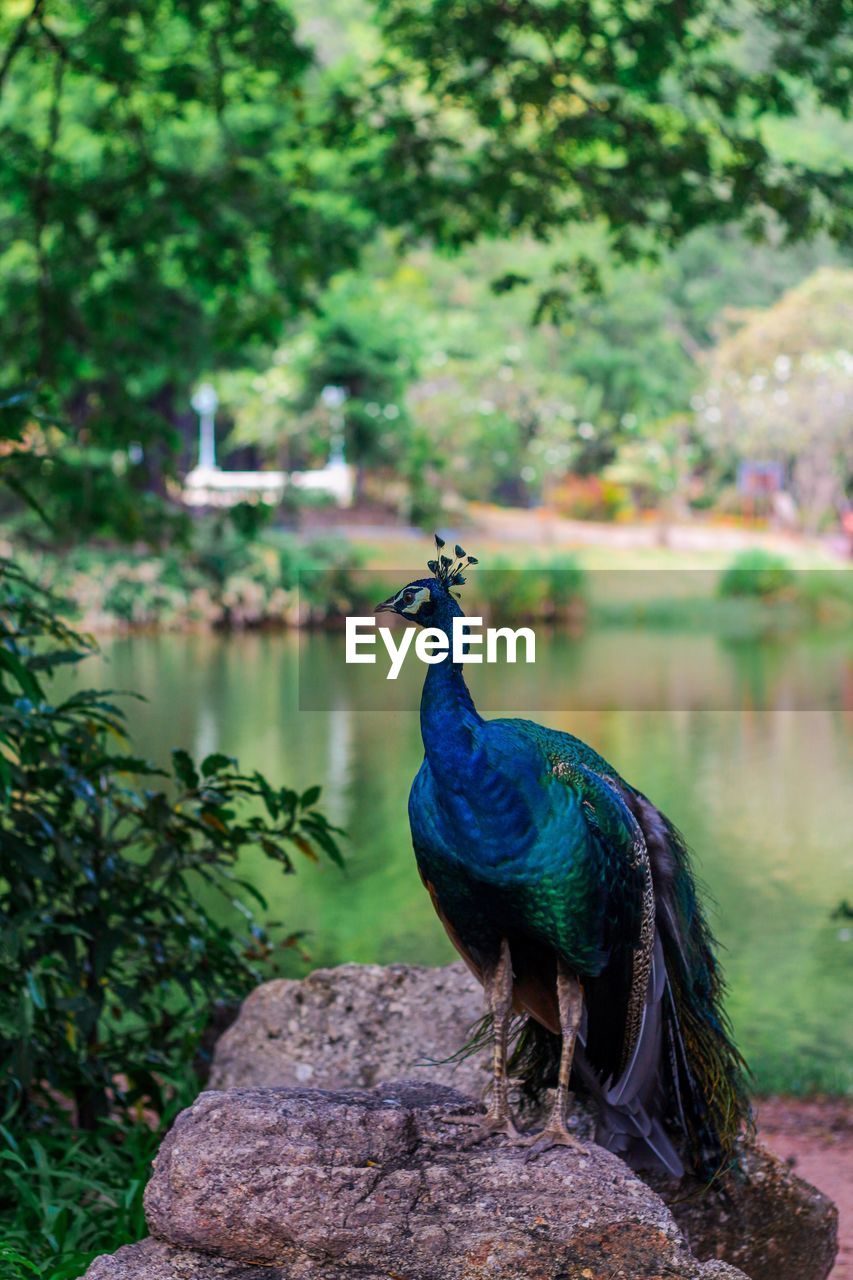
765	1220
304	1184
354	1026
357	1025
154	1260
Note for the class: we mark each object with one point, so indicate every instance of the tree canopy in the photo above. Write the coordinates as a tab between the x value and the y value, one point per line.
647	116
779	388
166	199
180	180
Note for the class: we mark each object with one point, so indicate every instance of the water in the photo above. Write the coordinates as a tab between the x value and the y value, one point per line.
762	794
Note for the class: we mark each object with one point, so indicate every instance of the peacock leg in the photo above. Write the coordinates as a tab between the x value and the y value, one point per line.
498	987
556	1133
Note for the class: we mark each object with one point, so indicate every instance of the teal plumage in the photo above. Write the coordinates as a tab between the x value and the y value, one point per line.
529	840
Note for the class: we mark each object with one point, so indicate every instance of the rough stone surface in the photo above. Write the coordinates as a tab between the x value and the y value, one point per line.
154	1260
764	1220
354	1026
302	1184
357	1025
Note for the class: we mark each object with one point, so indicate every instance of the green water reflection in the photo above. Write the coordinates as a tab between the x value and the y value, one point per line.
762	794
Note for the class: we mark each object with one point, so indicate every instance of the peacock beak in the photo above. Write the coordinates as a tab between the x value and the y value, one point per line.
386	606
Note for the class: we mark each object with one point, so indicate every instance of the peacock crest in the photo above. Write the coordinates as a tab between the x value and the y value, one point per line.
450	570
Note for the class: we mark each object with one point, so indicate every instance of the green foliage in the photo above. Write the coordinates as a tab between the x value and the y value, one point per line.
222	549
68	491
497	410
111	951
182	181
365	341
222	580
545	590
757	573
66	1198
167	197
648	119
779	387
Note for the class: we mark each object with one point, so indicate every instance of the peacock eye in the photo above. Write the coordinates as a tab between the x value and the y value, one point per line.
408	597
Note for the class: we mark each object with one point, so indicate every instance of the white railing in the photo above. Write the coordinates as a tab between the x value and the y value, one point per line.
212	487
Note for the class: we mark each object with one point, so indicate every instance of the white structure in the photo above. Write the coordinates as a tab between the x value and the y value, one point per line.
212	487
206	402
336	478
207	485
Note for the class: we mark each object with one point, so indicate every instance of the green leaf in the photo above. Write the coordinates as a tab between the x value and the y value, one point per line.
310	797
270	798
35	990
215	763
26	680
329	845
184	768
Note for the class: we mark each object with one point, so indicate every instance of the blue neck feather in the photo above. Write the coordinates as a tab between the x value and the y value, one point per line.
449	719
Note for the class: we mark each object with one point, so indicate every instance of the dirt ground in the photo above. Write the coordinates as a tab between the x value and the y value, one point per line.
815	1136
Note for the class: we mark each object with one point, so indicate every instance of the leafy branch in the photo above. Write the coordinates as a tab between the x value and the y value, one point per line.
124	914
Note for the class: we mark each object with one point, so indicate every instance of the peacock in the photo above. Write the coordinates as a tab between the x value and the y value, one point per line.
571	898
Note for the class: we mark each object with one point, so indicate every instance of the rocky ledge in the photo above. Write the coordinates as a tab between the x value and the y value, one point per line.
306	1184
356	1179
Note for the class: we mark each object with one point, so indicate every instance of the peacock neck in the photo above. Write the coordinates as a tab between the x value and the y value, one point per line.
449	721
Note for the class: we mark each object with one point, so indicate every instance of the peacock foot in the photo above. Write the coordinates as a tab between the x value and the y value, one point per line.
555	1135
487	1126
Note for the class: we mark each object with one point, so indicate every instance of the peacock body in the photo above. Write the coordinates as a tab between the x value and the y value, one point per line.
571	897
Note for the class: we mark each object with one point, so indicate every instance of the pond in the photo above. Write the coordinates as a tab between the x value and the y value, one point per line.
758	780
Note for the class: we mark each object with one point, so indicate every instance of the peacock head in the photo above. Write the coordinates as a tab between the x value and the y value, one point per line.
430	601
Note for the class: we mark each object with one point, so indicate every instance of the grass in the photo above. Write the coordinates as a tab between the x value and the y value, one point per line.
394	552
67	1196
734	618
67	1199
747	595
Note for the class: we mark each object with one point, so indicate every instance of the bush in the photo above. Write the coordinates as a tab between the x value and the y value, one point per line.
757	573
589	498
222	580
533	592
112	955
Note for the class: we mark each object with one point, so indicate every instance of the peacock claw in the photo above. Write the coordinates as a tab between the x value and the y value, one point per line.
552	1136
489	1126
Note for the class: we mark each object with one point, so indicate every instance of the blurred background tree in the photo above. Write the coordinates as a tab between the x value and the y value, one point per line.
650	119
179	184
362	353
167	197
780	387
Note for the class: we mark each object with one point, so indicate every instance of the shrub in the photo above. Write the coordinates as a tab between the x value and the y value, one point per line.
756	573
534	592
589	498
111	952
74	1195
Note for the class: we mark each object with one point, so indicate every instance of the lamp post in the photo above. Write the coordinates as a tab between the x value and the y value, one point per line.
205	402
334	399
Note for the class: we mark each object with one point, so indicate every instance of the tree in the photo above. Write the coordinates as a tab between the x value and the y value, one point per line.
166	199
113	946
180	180
647	117
500	425
362	342
780	387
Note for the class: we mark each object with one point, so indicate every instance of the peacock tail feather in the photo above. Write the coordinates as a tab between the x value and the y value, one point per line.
707	1098
708	1075
707	1101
